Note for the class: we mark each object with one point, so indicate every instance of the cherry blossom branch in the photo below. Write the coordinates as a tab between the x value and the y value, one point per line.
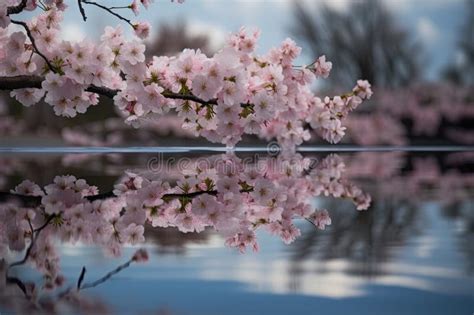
50	218
23	81
36	200
30	36
255	95
34	237
33	241
140	255
104	278
28	250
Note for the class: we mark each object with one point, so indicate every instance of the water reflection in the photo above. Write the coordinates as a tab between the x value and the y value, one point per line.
414	243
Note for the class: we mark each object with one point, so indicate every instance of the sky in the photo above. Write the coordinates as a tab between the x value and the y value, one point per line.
434	22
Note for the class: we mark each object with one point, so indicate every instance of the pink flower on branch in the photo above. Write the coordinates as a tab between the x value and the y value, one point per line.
142	29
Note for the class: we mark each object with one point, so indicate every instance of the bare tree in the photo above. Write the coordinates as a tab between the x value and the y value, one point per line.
173	38
364	41
461	71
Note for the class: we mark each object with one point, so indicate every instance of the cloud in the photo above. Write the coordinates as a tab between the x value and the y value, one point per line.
216	34
338	5
72	32
407	5
427	30
342	5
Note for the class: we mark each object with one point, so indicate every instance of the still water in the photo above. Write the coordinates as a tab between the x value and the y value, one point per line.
411	252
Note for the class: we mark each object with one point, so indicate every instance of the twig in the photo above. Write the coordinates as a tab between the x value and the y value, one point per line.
80	286
50	218
30	36
32	243
81	9
119	8
106	277
108	10
311	222
81	278
19	283
15	280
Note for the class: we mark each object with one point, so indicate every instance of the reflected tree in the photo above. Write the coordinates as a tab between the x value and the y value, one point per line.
171	241
367	240
463	213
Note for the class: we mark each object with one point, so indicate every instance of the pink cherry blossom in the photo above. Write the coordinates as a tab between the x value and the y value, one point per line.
133	234
321	67
142	29
28	188
321	219
135	7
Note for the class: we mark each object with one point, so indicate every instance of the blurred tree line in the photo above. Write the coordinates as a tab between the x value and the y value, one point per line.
461	70
366	41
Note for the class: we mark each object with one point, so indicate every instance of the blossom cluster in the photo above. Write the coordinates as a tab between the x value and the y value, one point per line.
222	193
221	98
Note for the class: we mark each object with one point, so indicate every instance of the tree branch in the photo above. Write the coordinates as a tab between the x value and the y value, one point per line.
28	201
23	82
19	283
108	10
104	278
32	39
36	200
20	82
32	243
81	9
26	81
17	9
81	278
